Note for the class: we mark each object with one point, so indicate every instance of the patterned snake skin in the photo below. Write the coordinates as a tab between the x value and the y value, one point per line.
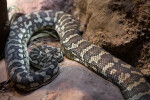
131	82
45	56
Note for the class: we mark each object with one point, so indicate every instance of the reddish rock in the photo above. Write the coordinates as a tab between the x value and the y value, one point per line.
74	82
3	71
28	6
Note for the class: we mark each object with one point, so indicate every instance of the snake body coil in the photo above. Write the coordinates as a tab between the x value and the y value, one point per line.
131	82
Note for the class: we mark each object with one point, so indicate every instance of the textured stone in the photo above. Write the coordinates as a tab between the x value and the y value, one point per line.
74	82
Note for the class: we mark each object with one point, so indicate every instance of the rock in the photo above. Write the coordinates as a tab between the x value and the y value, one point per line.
75	82
29	6
3	71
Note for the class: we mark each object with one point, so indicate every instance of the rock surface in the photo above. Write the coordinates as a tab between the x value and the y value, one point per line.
28	6
74	82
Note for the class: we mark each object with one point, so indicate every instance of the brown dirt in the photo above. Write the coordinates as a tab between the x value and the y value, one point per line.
119	26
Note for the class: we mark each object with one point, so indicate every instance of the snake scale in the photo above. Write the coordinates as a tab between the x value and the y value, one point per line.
131	82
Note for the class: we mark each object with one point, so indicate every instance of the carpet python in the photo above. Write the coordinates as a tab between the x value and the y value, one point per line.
131	82
45	56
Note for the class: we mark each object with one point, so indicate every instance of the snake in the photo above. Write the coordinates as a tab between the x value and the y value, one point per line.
131	82
42	57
